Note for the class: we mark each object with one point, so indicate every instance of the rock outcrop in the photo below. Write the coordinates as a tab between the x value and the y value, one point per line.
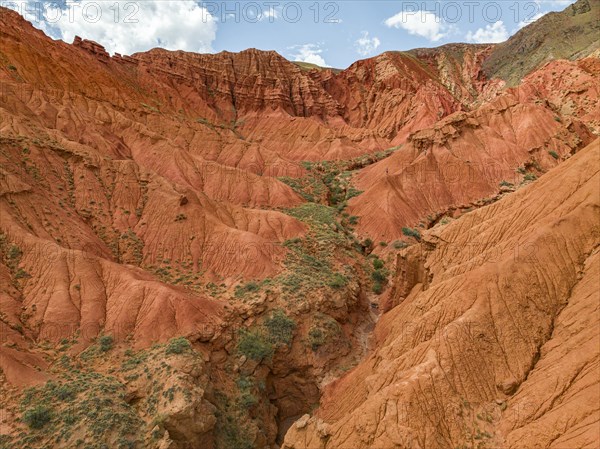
471	155
482	351
195	248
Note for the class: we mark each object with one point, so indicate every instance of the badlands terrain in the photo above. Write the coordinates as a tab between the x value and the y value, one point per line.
235	251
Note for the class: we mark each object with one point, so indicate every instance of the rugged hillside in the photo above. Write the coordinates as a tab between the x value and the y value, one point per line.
492	338
569	34
451	166
193	248
397	93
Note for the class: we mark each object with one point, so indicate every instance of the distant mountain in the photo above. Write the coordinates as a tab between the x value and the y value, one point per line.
569	34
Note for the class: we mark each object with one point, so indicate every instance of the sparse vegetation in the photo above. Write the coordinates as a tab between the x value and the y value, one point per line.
88	404
377	264
250	287
379	276
337	281
37	417
178	345
105	342
410	232
324	330
399	244
329	182
280	327
245	386
316	337
254	345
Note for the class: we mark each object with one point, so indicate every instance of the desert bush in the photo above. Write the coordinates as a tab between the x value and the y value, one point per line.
337	281
377	264
377	288
37	417
106	343
250	287
280	328
178	345
316	338
414	233
254	345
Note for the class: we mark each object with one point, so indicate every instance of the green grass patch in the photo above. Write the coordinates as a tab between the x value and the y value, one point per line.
178	345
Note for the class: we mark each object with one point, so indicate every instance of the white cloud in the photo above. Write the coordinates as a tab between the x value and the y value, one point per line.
257	13
270	14
128	27
491	34
557	3
310	53
420	23
366	45
526	22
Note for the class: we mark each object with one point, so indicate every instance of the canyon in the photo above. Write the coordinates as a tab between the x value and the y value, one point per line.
235	251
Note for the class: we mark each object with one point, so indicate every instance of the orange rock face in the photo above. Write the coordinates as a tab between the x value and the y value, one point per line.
271	215
495	342
466	156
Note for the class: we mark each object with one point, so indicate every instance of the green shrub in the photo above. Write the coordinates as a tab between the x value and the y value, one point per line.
366	246
65	393
14	252
22	274
378	276
69	418
414	233
377	288
178	345
316	338
250	287
554	154
337	281
246	385
530	177
254	346
106	343
247	399
280	327
504	183
37	417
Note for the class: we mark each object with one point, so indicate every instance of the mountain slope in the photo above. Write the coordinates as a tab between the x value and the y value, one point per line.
569	34
187	255
485	311
468	156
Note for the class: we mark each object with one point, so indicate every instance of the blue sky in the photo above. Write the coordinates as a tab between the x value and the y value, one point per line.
330	33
